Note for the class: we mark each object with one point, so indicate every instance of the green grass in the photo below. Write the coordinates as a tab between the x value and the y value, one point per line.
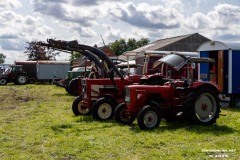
36	122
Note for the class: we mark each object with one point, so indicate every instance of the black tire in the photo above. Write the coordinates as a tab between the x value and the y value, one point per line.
78	109
32	81
3	81
149	117
122	116
202	106
73	87
22	79
66	85
235	100
103	109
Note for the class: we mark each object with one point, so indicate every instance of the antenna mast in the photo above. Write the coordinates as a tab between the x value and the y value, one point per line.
103	40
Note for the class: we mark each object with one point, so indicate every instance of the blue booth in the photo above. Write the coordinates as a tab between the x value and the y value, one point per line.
226	71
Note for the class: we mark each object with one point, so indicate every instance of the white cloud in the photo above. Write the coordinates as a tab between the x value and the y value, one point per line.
17	29
146	16
10	4
221	18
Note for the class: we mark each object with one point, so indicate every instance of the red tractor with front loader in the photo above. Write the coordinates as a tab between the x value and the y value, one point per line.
100	95
196	101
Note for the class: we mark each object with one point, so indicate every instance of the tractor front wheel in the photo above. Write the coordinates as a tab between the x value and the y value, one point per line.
149	117
202	106
103	109
3	81
122	115
78	109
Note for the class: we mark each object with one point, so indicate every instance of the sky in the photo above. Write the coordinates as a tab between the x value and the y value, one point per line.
24	21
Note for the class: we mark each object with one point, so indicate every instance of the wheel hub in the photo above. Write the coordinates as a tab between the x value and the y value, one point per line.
205	107
22	79
82	109
105	111
150	119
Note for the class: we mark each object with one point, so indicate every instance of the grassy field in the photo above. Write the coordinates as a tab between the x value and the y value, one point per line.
36	122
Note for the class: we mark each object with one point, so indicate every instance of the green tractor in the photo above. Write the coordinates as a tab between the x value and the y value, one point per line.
71	82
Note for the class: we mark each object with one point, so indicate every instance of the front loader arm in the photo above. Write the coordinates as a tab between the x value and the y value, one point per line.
74	46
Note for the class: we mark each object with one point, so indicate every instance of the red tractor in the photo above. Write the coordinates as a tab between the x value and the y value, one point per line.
196	101
107	92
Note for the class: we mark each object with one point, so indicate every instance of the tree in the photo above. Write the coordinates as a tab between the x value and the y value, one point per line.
75	56
120	46
2	58
38	52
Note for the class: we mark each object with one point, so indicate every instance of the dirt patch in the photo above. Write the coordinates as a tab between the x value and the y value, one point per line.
24	99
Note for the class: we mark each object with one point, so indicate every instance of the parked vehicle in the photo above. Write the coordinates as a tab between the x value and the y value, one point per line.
71	82
31	71
14	73
197	101
44	71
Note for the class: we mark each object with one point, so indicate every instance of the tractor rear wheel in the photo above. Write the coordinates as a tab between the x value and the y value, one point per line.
149	117
73	87
21	79
103	109
3	81
202	106
122	115
78	109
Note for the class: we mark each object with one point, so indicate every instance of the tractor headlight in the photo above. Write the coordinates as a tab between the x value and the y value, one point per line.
127	99
127	94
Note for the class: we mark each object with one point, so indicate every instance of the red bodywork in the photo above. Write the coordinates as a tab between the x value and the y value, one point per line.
93	89
169	96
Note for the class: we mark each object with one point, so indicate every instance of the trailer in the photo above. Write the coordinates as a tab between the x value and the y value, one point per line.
226	70
45	70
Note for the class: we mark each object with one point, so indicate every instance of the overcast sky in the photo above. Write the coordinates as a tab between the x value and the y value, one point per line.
23	21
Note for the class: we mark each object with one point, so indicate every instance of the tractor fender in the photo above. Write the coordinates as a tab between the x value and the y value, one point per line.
111	97
155	103
213	86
